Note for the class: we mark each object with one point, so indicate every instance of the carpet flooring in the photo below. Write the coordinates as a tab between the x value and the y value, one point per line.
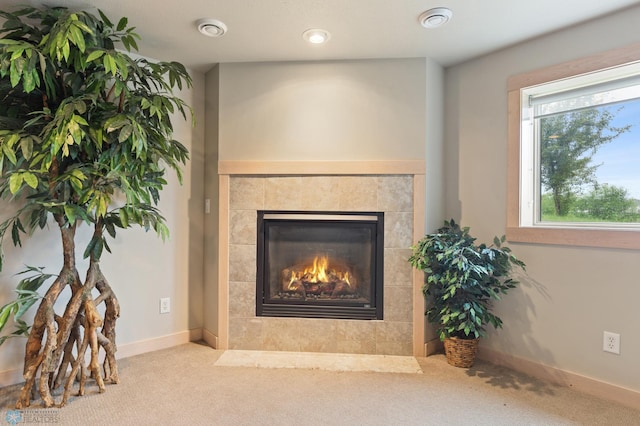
192	384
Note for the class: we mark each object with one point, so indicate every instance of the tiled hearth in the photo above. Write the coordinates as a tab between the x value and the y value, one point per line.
392	194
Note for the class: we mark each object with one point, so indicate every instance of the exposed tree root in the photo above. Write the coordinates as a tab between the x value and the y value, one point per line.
56	352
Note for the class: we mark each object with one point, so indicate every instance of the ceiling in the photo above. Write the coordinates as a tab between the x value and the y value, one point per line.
270	30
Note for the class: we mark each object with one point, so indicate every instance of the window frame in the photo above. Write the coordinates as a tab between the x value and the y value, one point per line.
626	238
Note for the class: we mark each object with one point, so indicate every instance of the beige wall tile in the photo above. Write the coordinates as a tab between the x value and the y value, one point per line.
282	193
318	335
320	193
398	229
358	193
281	334
397	269
246	193
394	348
242	299
356	346
395	193
242	263
398	304
356	330
242	227
394	332
245	334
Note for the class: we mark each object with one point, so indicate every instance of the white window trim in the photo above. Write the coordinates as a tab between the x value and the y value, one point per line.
627	238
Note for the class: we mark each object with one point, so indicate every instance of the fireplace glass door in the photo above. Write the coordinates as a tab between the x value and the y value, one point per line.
320	264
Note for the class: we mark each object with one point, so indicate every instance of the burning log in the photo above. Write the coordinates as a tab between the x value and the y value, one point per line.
291	285
342	288
317	278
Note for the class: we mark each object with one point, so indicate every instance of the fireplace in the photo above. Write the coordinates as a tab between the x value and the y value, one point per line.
243	193
320	264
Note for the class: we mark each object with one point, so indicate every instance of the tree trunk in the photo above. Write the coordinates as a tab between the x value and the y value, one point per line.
557	203
56	347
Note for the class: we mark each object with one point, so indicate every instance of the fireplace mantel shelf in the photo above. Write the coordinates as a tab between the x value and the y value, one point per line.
395	167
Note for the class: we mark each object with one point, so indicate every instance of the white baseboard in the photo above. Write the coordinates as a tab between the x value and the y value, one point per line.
597	388
11	377
433	346
210	338
195	334
157	343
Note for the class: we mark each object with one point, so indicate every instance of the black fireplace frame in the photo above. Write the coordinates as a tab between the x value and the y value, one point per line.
326	309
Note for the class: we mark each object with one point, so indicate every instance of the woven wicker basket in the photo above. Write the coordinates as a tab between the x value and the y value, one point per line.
460	352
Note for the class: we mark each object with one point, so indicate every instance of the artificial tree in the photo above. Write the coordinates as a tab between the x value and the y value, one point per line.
85	140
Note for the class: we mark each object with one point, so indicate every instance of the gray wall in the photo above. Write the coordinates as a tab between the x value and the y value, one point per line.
570	295
210	301
326	111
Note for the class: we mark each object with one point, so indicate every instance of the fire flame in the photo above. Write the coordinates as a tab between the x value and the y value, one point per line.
319	272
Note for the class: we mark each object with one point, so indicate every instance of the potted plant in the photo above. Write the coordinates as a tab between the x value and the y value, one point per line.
462	279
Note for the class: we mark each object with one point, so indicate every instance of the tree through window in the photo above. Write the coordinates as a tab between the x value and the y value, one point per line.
572	190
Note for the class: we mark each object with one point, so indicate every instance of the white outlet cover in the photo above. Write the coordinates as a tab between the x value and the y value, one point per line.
165	305
611	342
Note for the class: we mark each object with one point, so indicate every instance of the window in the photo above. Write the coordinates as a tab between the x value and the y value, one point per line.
574	152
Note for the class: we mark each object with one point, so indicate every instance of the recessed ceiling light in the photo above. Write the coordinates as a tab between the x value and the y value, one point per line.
316	36
436	17
212	27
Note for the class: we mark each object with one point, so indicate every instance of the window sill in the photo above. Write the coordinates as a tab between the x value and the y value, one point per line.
622	239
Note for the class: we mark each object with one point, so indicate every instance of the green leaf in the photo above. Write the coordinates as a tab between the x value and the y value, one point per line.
28	82
162	231
124	217
96	54
5	311
15	182
105	18
125	133
69	211
106	246
110	65
110	229
30	179
96	252
77	37
25	305
122	24
10	153
26	145
89	249
16	69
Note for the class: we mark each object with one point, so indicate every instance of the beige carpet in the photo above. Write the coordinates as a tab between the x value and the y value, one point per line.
186	385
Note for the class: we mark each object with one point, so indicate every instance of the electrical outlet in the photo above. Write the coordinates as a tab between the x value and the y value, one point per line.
611	342
165	305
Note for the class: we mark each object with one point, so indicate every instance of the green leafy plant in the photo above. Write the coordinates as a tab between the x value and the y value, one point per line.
462	279
85	140
28	295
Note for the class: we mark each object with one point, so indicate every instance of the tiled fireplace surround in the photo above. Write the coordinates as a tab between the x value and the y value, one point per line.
395	188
